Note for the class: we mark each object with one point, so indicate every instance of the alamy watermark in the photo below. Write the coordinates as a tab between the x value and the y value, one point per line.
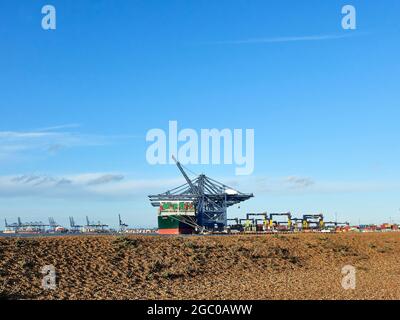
49	19
204	147
349	279
349	21
49	279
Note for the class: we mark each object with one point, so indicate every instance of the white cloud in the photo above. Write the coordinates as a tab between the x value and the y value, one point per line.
299	182
107	186
49	141
118	186
288	39
261	185
63	126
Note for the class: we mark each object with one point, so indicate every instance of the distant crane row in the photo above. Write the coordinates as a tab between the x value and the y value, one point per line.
54	227
281	222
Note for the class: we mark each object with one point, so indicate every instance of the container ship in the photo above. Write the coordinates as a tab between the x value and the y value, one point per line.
174	217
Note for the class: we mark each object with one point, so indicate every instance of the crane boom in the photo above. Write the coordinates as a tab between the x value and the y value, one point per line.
192	187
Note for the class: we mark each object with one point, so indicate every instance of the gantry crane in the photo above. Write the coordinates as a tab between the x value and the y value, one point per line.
264	220
278	225
313	221
122	226
210	198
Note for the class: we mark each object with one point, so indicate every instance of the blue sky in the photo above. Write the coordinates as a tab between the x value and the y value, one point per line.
76	104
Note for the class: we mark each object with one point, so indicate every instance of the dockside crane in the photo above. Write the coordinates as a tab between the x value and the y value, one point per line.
96	226
210	198
279	225
74	226
122	226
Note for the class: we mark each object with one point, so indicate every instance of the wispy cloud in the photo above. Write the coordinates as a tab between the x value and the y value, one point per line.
299	182
60	127
81	179
287	39
117	186
99	186
105	178
302	185
49	140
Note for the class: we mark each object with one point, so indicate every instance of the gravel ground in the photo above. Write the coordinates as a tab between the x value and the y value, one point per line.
295	266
